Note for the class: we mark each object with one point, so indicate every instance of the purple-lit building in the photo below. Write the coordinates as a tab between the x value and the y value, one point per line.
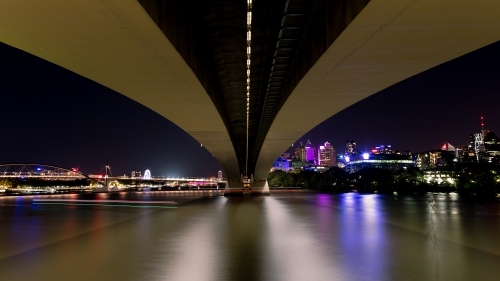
310	152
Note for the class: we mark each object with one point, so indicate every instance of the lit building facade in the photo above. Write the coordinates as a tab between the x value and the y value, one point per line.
438	176
300	153
350	148
355	163
434	159
465	153
382	149
327	156
491	144
283	163
310	151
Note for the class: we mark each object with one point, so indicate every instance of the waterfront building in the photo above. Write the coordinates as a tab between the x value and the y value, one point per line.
465	153
283	163
354	163
326	155
433	159
135	174
439	176
297	164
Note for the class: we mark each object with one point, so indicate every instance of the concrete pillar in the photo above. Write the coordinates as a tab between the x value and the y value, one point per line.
233	188
101	189
260	188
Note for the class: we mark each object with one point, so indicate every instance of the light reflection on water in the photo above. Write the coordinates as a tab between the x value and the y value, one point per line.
288	236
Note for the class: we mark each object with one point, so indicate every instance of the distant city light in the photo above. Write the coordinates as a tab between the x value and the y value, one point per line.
366	156
147	175
347	158
38	169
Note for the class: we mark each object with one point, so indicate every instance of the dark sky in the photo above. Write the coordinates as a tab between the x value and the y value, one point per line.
52	116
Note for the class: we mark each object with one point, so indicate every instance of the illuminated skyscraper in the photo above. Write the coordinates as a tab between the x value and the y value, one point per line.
326	155
350	148
300	153
310	152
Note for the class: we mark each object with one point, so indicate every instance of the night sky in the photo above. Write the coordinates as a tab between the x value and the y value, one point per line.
50	115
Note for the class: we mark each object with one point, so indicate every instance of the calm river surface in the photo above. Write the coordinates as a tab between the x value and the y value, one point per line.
287	236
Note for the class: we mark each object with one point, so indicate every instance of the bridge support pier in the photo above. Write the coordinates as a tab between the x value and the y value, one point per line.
260	188
257	188
101	189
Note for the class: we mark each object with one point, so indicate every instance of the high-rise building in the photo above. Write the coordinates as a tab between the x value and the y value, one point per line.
448	147
300	153
465	153
326	155
491	144
350	148
310	150
434	159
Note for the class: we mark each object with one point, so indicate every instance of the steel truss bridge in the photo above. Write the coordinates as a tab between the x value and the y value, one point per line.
39	171
36	172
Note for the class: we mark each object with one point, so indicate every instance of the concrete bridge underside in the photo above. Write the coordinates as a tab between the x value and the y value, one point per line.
310	59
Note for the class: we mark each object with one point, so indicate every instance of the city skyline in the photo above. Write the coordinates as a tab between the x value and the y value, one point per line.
57	117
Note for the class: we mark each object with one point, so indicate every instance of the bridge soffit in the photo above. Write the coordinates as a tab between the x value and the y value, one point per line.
388	41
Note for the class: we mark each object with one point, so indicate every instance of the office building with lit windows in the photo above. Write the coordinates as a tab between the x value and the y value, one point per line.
381	161
300	153
327	156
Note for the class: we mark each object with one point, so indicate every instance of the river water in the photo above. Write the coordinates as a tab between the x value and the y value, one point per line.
287	236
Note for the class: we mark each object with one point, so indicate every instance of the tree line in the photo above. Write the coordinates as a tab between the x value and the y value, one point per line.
467	178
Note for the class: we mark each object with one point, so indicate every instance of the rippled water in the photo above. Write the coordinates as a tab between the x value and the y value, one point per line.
287	236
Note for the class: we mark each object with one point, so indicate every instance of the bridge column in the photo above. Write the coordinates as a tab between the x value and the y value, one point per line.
101	189
260	188
104	188
233	188
257	188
